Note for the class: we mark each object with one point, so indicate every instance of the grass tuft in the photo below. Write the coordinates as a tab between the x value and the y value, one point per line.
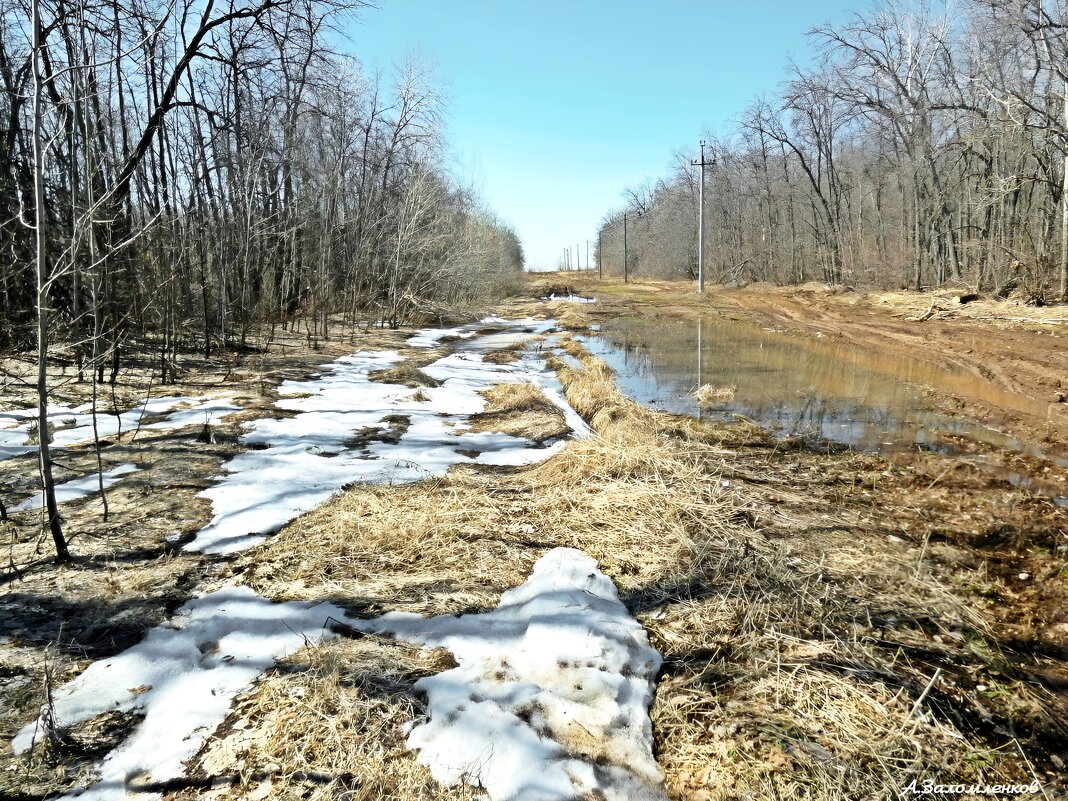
708	395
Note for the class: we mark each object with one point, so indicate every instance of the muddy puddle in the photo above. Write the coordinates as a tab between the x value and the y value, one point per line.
822	390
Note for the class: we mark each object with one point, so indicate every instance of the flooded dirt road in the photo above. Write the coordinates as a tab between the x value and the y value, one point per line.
1004	364
819	389
898	374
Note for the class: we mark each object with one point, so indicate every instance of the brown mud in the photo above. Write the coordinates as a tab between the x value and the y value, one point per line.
1015	354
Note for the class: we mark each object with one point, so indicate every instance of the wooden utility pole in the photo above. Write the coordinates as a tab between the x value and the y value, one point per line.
701	218
600	272
625	278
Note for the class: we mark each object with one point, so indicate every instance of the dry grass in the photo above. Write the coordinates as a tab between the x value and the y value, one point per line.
510	353
517	398
502	356
945	305
349	702
520	410
405	373
569	316
125	578
708	395
807	654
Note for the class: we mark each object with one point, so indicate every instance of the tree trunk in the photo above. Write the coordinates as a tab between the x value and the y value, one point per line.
1064	211
44	448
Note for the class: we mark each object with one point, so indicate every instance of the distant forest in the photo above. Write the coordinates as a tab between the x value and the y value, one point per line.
926	145
185	171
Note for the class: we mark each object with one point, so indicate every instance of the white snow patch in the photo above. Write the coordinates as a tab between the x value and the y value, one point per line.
571	298
13	443
78	487
303	460
71	426
550	697
516	329
209	411
431	337
182	678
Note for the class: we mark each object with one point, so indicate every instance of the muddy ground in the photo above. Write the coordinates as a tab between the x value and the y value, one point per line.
1005	344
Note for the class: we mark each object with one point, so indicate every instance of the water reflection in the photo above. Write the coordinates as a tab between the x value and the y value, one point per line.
821	389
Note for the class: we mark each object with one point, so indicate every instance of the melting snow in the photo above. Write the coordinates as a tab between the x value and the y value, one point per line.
77	422
431	337
550	697
78	487
526	326
209	411
182	678
571	298
303	460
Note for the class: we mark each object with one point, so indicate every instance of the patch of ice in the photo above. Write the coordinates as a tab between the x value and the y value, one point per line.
78	487
182	678
303	460
555	393
549	700
567	358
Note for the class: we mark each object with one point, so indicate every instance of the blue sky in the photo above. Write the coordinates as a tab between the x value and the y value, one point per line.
555	107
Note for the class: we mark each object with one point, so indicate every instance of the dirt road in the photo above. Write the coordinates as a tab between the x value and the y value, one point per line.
1019	350
999	362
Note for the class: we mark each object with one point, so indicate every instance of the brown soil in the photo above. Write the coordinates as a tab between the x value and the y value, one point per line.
1018	348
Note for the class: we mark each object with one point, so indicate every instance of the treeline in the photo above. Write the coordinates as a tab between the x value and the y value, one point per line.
927	145
206	166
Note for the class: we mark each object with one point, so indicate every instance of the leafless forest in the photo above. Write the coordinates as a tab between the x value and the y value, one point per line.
922	147
198	167
174	173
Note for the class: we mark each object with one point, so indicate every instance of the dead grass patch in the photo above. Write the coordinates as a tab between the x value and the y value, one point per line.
708	395
406	373
520	410
807	654
570	316
349	703
509	354
520	397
